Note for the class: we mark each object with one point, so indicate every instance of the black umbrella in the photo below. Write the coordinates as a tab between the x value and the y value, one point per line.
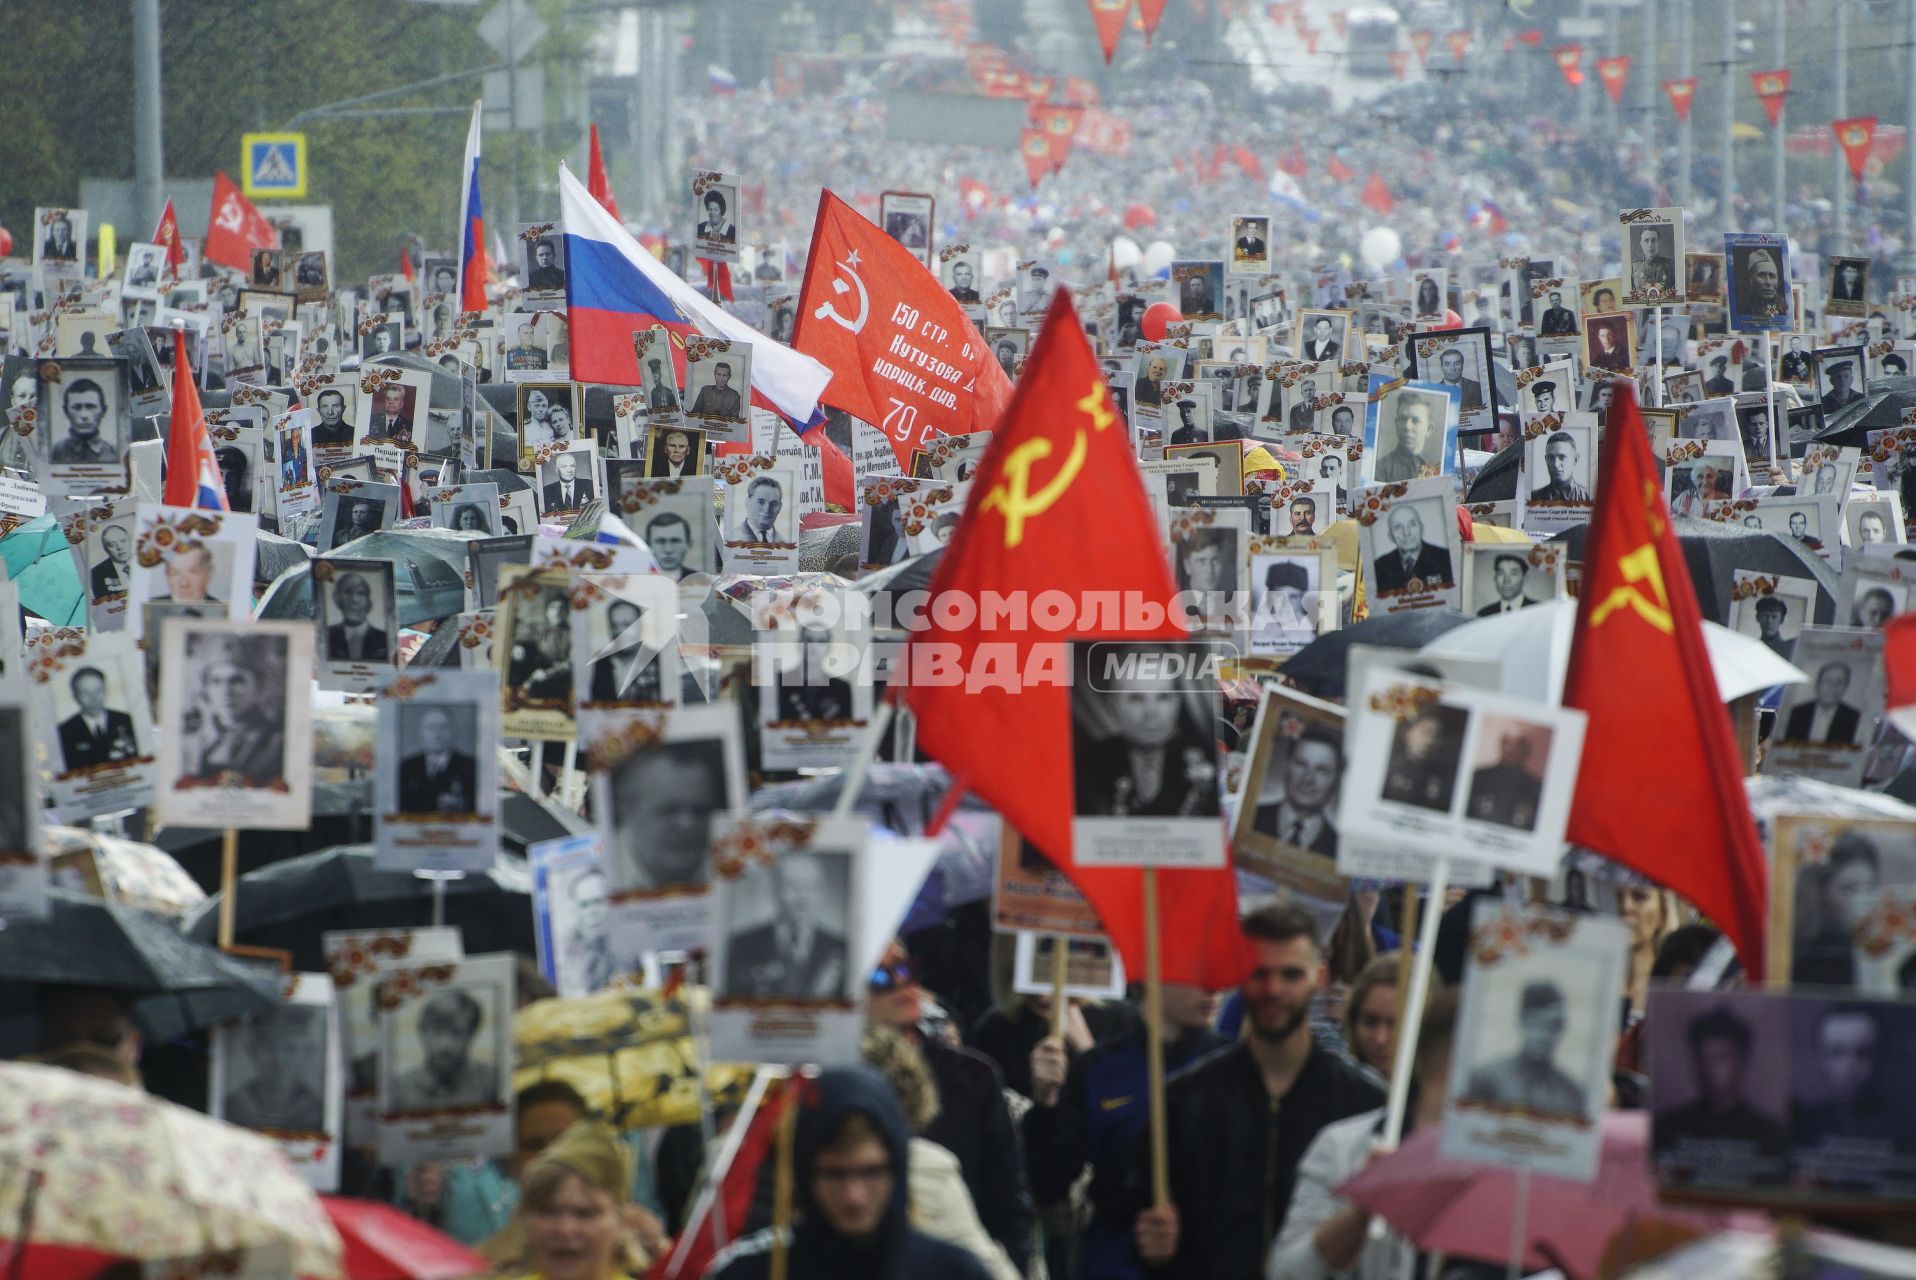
288	905
1496	480
177	985
1321	667
907	575
1715	551
1880	409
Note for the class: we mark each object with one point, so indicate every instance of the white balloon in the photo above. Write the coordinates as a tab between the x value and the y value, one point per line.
1157	256
1380	247
1125	253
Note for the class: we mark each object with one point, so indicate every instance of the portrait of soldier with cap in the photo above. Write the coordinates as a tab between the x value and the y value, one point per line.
1529	1079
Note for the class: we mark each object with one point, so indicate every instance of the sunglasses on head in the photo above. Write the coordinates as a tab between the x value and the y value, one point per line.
890	977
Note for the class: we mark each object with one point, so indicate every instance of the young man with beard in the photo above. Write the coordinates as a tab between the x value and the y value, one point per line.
1241	1119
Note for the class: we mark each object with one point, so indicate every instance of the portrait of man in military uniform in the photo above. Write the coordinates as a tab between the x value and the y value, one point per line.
1530	1079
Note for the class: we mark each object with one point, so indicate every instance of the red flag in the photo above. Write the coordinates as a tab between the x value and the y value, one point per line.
1614	72
1340	23
698	1244
1309	36
595	180
1059	124
904	357
1377	195
168	234
405	264
1243	157
1854	136
1399	63
1772	87
1035	146
1899	665
192	475
236	228
1459	42
1109	15
1660	789
1149	13
1569	60
1532	37
1681	93
1293	161
1058	510
1337	169
1420	41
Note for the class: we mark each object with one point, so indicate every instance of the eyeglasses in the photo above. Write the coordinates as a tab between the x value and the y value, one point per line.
890	977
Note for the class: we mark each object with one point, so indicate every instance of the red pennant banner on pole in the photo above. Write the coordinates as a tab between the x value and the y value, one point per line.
1150	12
1060	125
1309	37
1420	41
1459	42
1615	74
1035	145
1569	60
1532	37
1772	87
1854	135
1340	23
1681	93
1399	63
1038	88
1109	15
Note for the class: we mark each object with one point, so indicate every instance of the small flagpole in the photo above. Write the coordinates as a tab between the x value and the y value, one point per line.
1154	1041
1519	1224
1414	1007
782	1186
1769	386
1059	944
229	884
1657	360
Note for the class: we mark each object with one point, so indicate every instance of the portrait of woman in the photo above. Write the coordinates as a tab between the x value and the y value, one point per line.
234	730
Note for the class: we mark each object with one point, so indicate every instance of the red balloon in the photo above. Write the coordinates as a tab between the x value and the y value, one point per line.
6	242
1156	317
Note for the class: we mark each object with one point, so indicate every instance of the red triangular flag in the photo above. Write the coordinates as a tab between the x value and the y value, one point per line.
1149	14
1459	42
1399	63
596	181
1682	93
168	234
1854	136
1638	668
1058	510
1109	16
1569	60
1337	169
192	474
1420	41
904	319
1377	195
1035	146
1614	72
1772	87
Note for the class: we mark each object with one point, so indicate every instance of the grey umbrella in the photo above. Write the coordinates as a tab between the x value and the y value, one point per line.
1715	551
431	575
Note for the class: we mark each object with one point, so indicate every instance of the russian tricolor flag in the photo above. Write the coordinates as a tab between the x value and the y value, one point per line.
192	474
472	225
616	288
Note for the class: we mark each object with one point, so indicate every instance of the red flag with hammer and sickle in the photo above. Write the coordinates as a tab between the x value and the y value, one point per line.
1660	789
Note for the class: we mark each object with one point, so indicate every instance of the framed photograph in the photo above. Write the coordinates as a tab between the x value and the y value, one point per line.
435	781
1557	475
1008	347
1847	288
1824	728
1029	892
1146	786
658	375
1428	294
1326	335
1411	546
908	217
1037	279
1558	300
624	642
1609	342
567	479
1303	508
353	509
467	508
93	721
235	709
961	268
715	210
1653	254
814	697
761	515
85	405
1840	377
661	778
677	521
1208	561
672	451
1293	591
1535	1031
1758	270
279	1073
356	621
534	653
718	385
59	239
1198	288
1502	577
1699	474
1772	608
1703	277
1410	431
185	555
1287	814
101	539
336	430
353	958
1794	363
570	915
542	256
787	911
548	418
1251	245
445	1059
1092	969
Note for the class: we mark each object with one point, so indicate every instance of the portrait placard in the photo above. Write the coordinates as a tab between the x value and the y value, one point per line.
392	411
814	693
761	515
1535	1031
236	711
1502	578
278	1072
59	239
1824	728
353	958
435	781
569	915
1293	583
1029	892
1846	292
1287	812
353	509
1092	968
786	919
674	451
1758	268
1699	474
624	643
1557	474
1443	767
1197	288
533	653
85	407
1411	545
445	1059
907	217
93	720
1146	774
567	480
1841	377
1410	430
101	539
1251	244
715	210
718	385
23	863
467	508
1873	521
356	619
1842	894
1428	295
1209	549
1324	335
1609	341
677	520
203	559
1652	252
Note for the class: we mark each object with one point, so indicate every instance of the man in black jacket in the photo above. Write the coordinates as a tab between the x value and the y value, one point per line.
1240	1120
973	1120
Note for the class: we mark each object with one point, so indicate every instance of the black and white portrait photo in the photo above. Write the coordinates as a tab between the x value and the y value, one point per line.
539	651
1609	343
785	928
1286	600
1413	435
1502	579
715	214
674	451
1848	287
1824	726
91	705
108	555
1759	284
658	375
1326	335
571	895
435	777
1840	377
680	530
144	265
567	482
1653	253
661	802
1507	771
347	514
908	219
395	411
1559	467
358	623
1199	289
276	1068
443	1050
85	408
438	772
544	262
235	726
381	339
1425	757
1287	825
1251	244
59	237
548	415
761	509
1428	304
962	273
718	383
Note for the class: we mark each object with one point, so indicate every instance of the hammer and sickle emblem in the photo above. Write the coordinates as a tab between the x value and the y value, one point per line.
826	311
1012	496
1639	566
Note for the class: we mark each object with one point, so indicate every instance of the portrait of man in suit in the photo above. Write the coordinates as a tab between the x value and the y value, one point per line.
1422	768
1507	574
1322	345
1302	816
671	454
189	574
392	420
758	515
962	288
1826	720
631	674
544	274
1410	558
663	799
332	430
670	537
115	573
1451	365
1509	791
96	734
353	638
797	954
567	490
720	399
438	777
1558	321
59	244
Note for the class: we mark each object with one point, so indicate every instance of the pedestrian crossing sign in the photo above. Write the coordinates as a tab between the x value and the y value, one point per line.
273	164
